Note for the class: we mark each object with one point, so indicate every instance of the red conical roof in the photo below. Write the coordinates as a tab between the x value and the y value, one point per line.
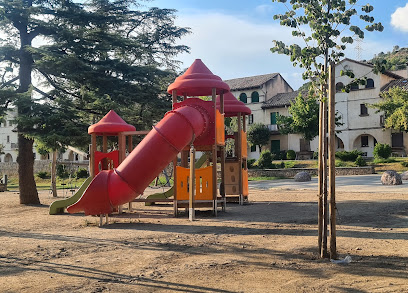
232	106
198	80
110	124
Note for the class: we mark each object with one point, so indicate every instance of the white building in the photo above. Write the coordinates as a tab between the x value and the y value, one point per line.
9	140
255	91
270	95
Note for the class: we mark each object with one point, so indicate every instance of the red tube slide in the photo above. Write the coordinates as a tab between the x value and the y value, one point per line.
111	188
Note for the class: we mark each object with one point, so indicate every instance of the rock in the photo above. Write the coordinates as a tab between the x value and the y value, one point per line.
303	177
391	178
404	176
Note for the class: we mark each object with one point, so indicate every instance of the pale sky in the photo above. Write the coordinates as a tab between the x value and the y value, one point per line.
233	38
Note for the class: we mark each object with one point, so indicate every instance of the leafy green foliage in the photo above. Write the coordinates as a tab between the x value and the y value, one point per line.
327	23
382	151
395	60
349	156
303	119
81	173
250	163
291	155
395	107
360	161
98	55
258	134
43	175
265	160
62	171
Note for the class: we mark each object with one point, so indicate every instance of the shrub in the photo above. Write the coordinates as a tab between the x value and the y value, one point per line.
290	155
251	163
290	164
279	155
43	175
348	156
81	173
382	150
404	164
62	171
360	161
265	160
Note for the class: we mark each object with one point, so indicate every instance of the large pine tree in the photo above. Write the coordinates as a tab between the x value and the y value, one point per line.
95	55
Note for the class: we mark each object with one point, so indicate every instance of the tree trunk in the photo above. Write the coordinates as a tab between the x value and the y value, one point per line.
25	160
54	174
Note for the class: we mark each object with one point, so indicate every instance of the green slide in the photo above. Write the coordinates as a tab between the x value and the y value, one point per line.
169	193
57	207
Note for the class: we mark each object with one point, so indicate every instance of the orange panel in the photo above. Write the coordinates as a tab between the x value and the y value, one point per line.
244	182
183	175
203	183
219	124
244	145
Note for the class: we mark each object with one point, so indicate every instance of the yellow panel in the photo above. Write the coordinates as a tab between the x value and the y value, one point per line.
244	145
220	128
245	182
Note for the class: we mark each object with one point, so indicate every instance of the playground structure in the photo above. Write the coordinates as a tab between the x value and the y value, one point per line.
192	125
236	169
110	125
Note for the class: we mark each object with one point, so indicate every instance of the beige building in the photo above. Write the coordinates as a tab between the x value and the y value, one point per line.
270	95
255	91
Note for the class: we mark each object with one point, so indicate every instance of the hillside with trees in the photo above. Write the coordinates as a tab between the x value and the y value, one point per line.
396	60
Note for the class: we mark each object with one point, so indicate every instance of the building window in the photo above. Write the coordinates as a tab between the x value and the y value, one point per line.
370	83
243	98
339	87
250	118
254	97
8	158
354	87
397	140
253	148
10	123
364	141
8	138
363	110
274	116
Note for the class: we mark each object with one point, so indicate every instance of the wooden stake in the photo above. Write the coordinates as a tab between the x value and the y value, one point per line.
191	198
324	159
332	166
320	174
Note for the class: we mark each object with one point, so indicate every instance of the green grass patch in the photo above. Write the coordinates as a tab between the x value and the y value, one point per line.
45	184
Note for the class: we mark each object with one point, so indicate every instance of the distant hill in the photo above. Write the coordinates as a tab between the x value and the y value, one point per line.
396	60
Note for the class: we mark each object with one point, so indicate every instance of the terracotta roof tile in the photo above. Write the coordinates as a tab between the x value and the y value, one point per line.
249	82
280	100
402	82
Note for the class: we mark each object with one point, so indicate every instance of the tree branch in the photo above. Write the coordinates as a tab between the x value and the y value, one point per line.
9	82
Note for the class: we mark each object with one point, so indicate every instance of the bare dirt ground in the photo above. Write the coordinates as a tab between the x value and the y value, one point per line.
269	245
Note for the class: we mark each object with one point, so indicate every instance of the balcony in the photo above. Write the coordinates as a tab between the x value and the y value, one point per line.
272	127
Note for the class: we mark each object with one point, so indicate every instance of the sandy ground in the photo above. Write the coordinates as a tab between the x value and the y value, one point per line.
269	245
